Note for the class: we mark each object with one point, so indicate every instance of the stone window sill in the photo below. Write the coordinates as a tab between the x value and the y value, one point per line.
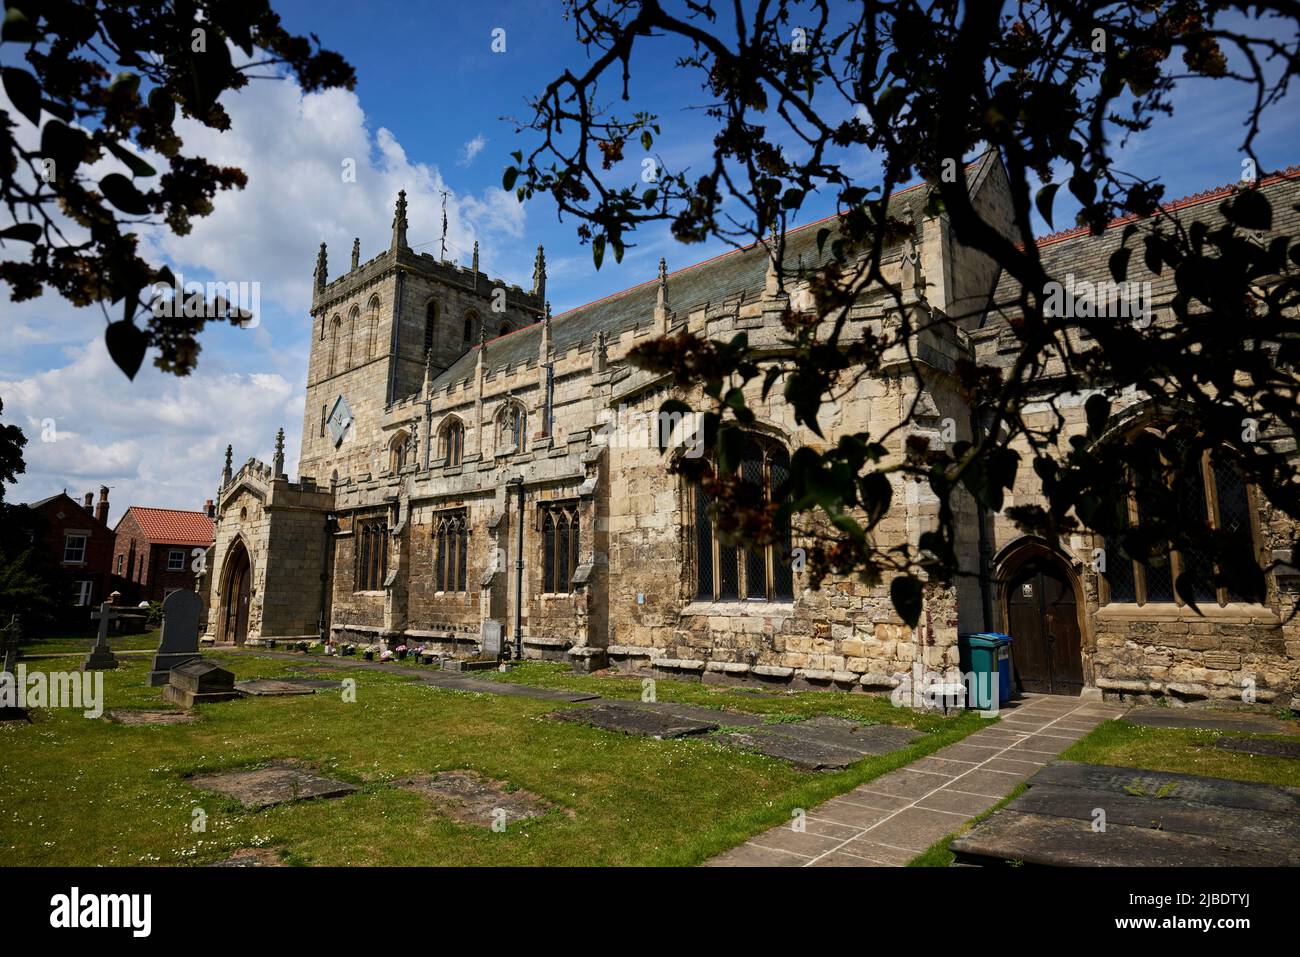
739	609
1234	613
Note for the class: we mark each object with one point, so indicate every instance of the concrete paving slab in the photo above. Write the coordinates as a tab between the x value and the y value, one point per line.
958	802
916	828
990	783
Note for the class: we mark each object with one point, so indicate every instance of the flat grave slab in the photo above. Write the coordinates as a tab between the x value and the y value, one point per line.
276	782
1276	829
1265	747
1209	719
1153	818
697	713
865	739
1139	782
134	716
251	857
627	719
313	682
471	798
461	682
823	742
806	754
271	687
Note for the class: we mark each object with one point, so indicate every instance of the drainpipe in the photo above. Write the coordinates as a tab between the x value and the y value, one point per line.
331	526
986	601
985	547
518	482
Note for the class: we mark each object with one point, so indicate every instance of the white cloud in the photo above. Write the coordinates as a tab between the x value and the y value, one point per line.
471	149
160	440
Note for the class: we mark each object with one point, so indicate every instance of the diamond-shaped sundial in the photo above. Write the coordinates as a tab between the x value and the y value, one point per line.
340	420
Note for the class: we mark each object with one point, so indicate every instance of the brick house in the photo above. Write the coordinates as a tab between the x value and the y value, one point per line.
76	540
154	552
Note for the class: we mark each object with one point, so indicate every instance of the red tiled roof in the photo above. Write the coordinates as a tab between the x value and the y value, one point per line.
170	526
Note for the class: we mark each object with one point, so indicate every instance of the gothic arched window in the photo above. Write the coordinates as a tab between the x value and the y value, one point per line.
727	572
1212	494
471	327
512	423
371	554
397	452
372	326
451	551
504	328
560	546
336	327
354	329
451	442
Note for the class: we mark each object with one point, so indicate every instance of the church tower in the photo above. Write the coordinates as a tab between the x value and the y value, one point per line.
377	329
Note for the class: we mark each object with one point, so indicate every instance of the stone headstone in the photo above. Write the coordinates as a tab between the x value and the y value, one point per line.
10	635
200	681
101	657
491	638
180	634
9	638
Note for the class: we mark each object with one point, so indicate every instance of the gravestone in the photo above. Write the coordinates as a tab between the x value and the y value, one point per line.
101	657
491	638
198	682
10	635
180	634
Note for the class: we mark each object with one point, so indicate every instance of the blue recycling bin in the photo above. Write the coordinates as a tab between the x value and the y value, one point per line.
986	653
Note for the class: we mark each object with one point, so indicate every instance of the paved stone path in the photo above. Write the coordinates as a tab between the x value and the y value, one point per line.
891	819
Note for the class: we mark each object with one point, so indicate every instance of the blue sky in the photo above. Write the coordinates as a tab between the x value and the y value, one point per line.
426	115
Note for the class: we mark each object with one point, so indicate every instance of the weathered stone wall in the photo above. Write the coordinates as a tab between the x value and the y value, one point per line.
633	598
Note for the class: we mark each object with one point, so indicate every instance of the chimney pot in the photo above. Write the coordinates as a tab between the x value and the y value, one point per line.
101	510
89	501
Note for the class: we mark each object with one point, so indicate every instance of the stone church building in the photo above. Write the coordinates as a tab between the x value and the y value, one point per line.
472	466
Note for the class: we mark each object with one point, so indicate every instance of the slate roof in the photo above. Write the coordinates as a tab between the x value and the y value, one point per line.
737	275
1077	252
170	526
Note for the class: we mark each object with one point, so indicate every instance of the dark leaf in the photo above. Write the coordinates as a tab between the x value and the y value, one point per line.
905	593
126	344
1249	210
1097	409
23	232
1119	263
133	162
121	192
1043	201
21	87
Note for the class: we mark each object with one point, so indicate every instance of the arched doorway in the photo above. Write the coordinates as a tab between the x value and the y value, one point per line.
235	595
1040	609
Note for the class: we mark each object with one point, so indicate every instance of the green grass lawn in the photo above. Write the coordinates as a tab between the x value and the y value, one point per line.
1182	750
81	644
81	792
